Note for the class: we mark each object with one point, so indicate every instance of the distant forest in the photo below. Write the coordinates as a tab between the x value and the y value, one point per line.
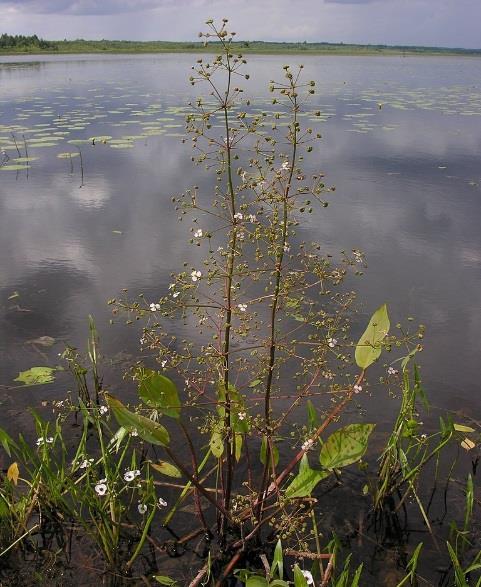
24	43
33	44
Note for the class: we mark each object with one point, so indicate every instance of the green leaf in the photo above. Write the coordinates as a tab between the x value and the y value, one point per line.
6	441
147	429
277	566
36	376
159	392
14	167
306	480
166	469
299	579
217	441
462	428
163	580
257	581
263	455
368	348
346	446
238	441
312	419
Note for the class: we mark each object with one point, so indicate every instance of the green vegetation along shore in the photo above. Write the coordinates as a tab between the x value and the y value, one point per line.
20	44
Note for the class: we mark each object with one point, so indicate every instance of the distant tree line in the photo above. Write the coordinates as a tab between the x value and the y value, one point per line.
23	42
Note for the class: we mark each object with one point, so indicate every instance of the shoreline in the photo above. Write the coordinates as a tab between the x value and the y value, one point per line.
335	50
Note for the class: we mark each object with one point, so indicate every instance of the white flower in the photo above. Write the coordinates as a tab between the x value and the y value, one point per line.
357	388
424	436
162	503
142	508
241	415
308	577
101	488
242	307
331	342
287	248
85	463
285	166
198	233
238	216
134	432
142	340
195	275
163	363
171	285
154	307
308	444
41	441
131	475
103	410
392	371
252	218
176	294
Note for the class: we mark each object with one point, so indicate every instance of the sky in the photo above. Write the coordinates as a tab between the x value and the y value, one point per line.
448	23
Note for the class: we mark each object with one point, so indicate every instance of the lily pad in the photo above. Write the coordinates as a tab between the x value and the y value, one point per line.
46	341
15	167
36	376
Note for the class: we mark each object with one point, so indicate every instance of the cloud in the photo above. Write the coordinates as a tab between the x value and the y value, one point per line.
453	23
83	7
351	1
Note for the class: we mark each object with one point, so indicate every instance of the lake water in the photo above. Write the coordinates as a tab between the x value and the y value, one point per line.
401	143
407	177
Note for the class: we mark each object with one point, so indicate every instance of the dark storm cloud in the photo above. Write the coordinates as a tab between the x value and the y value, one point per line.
83	7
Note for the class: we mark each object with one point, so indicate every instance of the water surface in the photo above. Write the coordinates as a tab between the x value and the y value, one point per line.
401	142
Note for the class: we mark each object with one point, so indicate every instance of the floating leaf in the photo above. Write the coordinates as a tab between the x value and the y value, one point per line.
14	167
166	469
306	480
36	376
368	348
147	429
13	473
159	392
468	444
68	155
24	159
462	428
346	446
46	341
